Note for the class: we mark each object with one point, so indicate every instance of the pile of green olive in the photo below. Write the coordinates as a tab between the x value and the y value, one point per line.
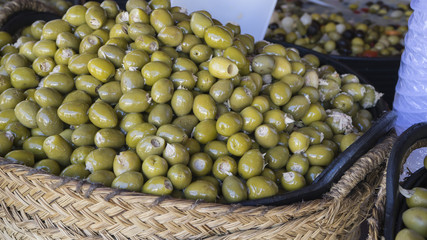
158	101
333	34
415	217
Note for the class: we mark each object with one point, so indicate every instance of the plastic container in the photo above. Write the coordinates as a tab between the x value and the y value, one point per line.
346	159
413	138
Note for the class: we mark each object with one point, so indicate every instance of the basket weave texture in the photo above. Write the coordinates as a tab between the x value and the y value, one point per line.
35	205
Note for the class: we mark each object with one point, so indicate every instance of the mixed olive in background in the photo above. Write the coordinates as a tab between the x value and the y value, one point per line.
334	34
158	101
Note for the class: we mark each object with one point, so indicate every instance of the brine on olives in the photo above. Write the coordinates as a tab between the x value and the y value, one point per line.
162	102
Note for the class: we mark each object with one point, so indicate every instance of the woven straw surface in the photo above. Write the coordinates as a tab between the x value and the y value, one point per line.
40	206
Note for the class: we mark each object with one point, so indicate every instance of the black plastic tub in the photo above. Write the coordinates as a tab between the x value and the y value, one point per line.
381	72
395	202
332	173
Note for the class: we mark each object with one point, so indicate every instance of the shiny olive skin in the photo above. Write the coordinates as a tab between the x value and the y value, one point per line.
58	149
176	153
154	166
150	145
132	181
201	190
100	159
20	157
109	138
48	165
126	161
6	142
292	181
180	176
158	185
76	171
238	144
261	187
26	112
277	157
79	154
103	177
102	115
250	164
33	144
234	190
160	114
48	121
224	166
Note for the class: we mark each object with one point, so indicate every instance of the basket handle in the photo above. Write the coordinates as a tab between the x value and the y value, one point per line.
13	7
366	164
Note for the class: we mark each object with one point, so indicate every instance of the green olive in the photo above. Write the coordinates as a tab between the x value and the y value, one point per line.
154	166
102	115
126	161
138	132
266	135
135	100
261	187
162	90
240	98
238	144
279	119
135	60
415	219
154	71
77	171
131	80
199	23
224	166
48	165
100	159
158	185
200	164
408	234
180	176
79	154
277	157
221	67
6	144
21	157
234	190
320	155
251	164
229	124
216	149
176	153
160	114
172	133
182	102
150	145
103	177
201	190
132	181
58	149
26	112
204	107
292	181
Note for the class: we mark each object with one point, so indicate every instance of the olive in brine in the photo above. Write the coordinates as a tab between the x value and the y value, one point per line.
158	185
48	165
126	161
103	177
58	149
250	164
102	115
76	171
234	190
132	181
201	190
21	157
150	145
261	187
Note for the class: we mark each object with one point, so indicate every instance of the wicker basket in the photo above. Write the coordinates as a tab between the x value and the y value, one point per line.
35	205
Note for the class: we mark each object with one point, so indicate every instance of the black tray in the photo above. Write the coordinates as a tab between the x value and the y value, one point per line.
382	72
346	159
25	18
394	200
